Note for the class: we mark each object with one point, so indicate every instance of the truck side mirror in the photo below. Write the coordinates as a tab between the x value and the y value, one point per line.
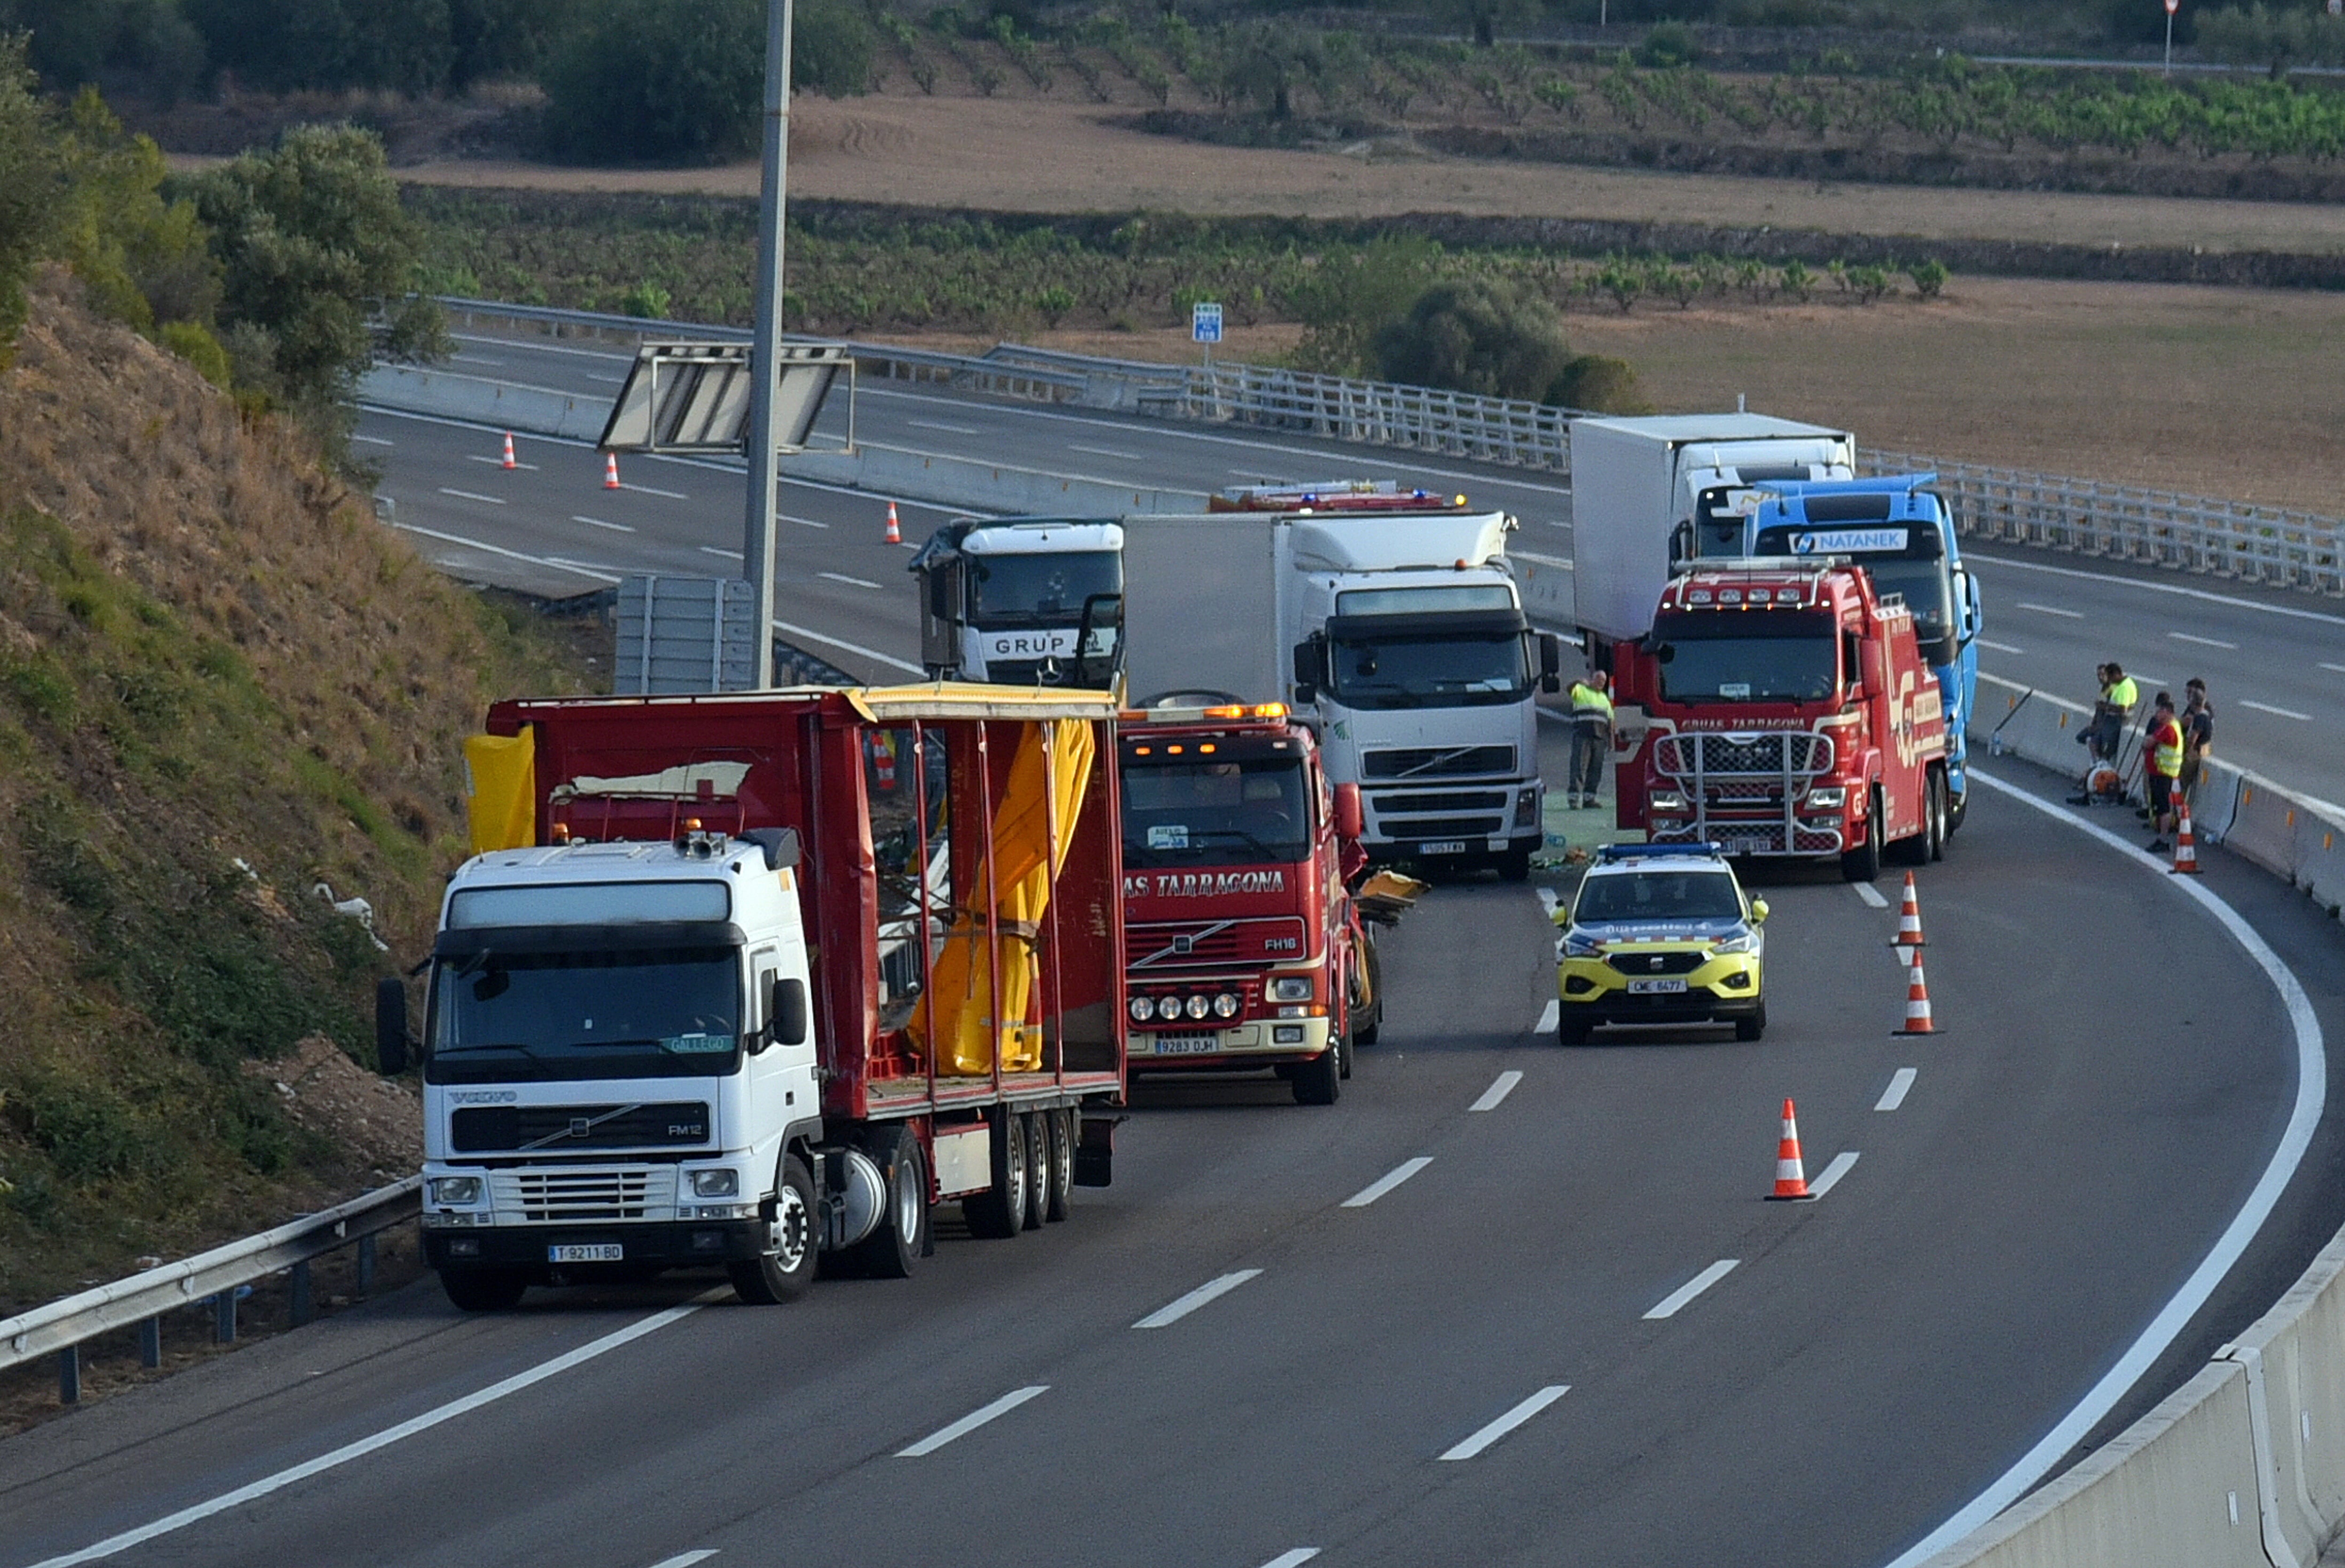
1550	649
1310	669
391	1025
787	1019
1350	818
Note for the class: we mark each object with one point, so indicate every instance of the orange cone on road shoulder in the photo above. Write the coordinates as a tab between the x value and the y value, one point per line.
508	462
1917	999
2186	847
895	534
1791	1177
610	471
1909	918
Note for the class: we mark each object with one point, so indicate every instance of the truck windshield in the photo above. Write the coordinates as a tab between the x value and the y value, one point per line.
1214	813
665	1013
1429	671
1762	655
1657	896
1039	590
1929	592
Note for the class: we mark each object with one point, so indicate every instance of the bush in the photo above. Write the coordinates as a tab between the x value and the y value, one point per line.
1929	276
1600	384
1669	44
194	343
1477	337
677	81
28	187
830	49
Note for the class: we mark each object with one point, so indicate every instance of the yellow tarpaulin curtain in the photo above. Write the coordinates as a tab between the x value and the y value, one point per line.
502	807
1048	780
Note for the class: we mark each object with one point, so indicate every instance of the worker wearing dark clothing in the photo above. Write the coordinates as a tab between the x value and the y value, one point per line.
2197	736
2104	731
1591	738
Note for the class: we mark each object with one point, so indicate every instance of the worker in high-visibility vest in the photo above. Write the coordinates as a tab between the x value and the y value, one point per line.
2161	751
1592	737
2104	731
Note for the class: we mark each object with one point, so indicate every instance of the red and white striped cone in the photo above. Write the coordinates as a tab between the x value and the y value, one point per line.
1917	999
2186	847
1909	918
610	471
508	462
895	534
1791	1177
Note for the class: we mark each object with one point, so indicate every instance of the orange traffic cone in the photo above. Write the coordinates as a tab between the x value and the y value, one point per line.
1917	999
1791	1177
508	462
1909	918
610	471
2186	847
895	534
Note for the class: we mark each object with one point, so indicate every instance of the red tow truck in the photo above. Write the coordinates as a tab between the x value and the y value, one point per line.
1782	708
1244	947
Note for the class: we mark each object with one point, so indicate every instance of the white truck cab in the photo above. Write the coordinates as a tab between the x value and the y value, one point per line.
1023	601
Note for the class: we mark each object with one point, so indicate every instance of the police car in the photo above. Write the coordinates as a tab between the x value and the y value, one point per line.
1660	933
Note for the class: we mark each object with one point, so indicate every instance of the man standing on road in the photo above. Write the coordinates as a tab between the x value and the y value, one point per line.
2198	735
2105	732
2161	753
1591	738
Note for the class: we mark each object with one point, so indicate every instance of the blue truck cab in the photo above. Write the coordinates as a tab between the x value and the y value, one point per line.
1902	531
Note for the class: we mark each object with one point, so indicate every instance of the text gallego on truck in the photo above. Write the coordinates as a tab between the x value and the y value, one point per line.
735	981
1782	708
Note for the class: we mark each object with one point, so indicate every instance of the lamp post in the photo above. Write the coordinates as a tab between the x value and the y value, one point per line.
758	541
2171	7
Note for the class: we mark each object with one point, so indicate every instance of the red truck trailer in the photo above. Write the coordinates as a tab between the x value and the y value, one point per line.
1782	708
739	980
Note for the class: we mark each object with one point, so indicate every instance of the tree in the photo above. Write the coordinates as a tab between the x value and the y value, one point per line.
830	49
1477	337
143	44
1600	384
288	45
314	247
1352	295
141	260
659	81
30	186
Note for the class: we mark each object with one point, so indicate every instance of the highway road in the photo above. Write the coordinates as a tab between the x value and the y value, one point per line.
1504	1303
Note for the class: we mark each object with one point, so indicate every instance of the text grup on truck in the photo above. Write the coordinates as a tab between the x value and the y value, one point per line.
1388	621
1246	947
1023	601
1782	708
740	981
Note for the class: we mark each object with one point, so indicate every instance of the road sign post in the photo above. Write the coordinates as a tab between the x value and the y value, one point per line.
773	196
1205	328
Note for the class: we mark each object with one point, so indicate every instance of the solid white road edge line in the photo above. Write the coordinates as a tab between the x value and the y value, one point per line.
1900	1082
1387	1182
500	550
1293	1557
1508	1422
809	633
971	1421
1870	894
1670	1306
940	424
499	462
1174	1311
1828	1178
2311	1091
381	1439
2212	598
2000	647
1107	452
1548	1017
1501	1087
647	490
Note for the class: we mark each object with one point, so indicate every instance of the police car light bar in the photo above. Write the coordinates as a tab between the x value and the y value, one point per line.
1708	852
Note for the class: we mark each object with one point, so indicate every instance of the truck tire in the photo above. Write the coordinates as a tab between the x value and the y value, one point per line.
1343	1047
1058	1194
1754	1027
1940	809
1320	1081
1000	1211
1863	864
1514	865
1038	1168
785	1271
891	1251
483	1290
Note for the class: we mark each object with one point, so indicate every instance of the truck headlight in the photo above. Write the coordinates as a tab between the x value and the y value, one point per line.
1143	1008
1665	800
1225	1005
1290	988
1830	799
455	1192
1197	1007
715	1183
1168	1008
1527	809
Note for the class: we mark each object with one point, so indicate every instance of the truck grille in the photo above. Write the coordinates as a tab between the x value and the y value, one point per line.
1198	945
1639	963
1458	800
564	1197
1796	752
1439	762
490	1129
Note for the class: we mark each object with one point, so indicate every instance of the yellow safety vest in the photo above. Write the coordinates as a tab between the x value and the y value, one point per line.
2166	759
2124	694
1587	702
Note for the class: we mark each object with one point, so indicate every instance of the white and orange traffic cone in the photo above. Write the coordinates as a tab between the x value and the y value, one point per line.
1917	999
895	534
2186	847
1791	1177
610	471
1909	918
508	462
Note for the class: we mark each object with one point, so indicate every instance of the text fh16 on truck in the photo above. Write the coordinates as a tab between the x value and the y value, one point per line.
739	980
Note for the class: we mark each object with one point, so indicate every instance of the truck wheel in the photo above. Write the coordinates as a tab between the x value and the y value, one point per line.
1038	1168
999	1210
1343	1047
1060	1190
1864	864
1319	1081
891	1251
785	1269
1752	1027
483	1290
1957	806
1514	866
1939	827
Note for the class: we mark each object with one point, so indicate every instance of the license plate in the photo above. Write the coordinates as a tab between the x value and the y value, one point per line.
595	1252
1750	846
1656	987
1186	1045
1443	846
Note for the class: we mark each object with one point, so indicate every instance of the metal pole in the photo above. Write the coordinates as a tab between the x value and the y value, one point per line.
764	391
2169	45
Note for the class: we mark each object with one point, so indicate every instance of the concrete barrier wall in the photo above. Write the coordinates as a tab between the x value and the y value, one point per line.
1000	488
534	410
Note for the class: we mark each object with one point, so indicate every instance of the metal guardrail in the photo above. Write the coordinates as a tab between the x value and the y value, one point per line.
60	1327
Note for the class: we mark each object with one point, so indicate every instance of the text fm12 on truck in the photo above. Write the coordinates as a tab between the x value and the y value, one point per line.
1782	708
1244	948
739	980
